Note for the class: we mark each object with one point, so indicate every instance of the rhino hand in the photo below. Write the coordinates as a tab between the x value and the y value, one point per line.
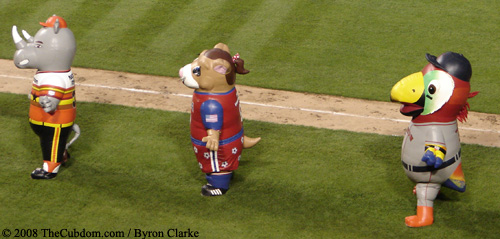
49	104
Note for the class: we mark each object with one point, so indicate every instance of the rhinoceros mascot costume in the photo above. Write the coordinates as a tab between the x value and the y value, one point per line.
52	98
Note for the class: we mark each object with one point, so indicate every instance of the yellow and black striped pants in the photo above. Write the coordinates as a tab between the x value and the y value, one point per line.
52	139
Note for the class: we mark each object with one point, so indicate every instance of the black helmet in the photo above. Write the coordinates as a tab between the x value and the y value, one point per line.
453	63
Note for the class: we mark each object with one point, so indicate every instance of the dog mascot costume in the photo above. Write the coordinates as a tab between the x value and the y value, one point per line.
216	123
435	97
52	110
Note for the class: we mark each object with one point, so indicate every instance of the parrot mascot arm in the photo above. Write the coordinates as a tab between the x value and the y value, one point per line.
434	155
434	147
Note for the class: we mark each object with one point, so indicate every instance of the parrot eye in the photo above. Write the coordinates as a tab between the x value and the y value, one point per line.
440	86
432	89
197	71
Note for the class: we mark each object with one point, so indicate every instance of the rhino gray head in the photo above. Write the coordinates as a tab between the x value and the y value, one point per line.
52	49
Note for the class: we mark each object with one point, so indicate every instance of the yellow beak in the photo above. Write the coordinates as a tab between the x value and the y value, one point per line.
408	89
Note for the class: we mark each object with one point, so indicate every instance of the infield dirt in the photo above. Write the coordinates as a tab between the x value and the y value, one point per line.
282	107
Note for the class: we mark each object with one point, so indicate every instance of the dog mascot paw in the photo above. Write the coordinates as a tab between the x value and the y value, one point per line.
216	123
52	110
435	98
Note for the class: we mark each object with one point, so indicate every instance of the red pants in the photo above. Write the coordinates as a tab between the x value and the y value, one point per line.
225	159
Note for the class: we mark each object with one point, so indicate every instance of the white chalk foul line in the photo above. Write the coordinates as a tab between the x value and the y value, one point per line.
133	90
323	112
251	103
16	77
245	102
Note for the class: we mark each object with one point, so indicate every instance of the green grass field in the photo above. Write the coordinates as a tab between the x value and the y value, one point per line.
350	48
141	173
134	168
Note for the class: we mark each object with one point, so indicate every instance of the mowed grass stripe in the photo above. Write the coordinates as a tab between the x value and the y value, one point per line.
49	8
179	30
87	17
225	22
141	34
260	28
293	40
111	29
117	21
31	13
22	8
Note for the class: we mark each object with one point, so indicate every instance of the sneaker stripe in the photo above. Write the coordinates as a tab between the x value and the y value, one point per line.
209	190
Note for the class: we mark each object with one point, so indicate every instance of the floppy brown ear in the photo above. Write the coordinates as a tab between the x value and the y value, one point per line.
222	46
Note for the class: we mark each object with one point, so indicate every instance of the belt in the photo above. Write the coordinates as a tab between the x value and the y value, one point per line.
221	142
428	168
51	124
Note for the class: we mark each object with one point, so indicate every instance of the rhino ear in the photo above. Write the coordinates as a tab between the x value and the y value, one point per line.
56	26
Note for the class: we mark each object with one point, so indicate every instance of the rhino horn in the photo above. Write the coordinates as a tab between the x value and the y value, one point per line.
18	40
28	37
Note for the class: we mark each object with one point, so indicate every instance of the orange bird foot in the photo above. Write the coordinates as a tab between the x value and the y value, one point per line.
423	218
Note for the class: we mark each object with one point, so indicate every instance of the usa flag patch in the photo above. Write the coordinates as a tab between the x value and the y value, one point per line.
211	118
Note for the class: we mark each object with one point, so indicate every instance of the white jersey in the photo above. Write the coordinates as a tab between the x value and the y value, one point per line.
64	79
413	149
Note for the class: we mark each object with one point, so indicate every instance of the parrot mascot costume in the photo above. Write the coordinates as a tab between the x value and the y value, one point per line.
435	98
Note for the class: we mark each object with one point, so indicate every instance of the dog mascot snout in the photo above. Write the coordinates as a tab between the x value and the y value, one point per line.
216	123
